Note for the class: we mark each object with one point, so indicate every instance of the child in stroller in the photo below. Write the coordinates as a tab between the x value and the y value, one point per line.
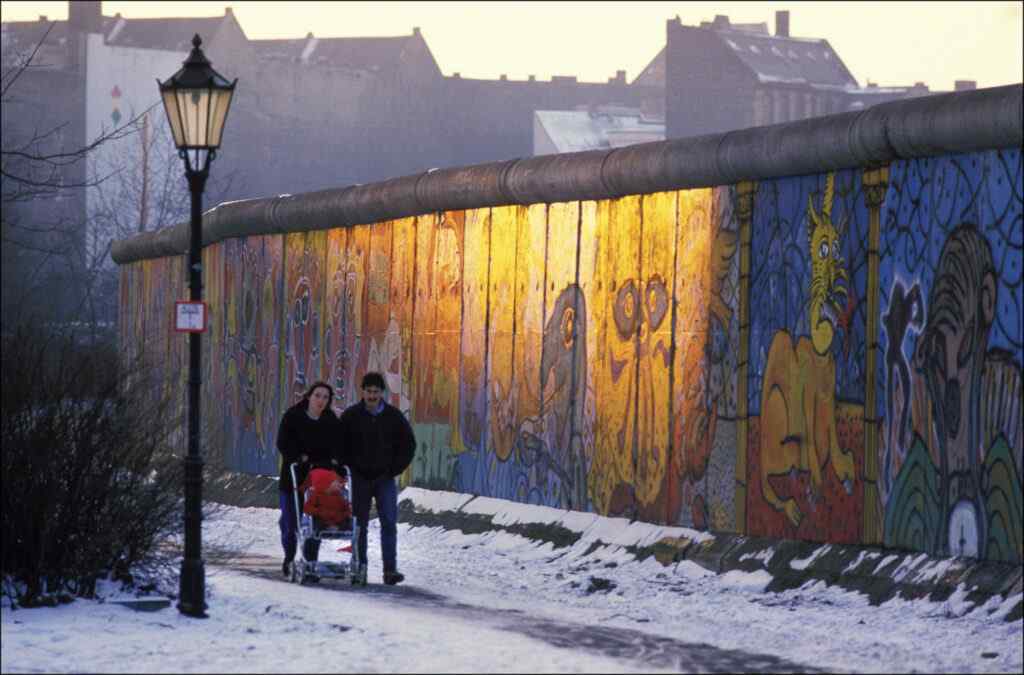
323	510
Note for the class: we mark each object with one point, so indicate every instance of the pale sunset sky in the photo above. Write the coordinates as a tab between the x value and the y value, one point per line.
888	43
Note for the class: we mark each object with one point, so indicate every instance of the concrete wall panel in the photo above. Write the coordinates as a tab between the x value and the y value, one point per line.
830	357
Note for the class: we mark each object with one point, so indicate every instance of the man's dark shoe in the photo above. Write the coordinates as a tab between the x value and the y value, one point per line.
286	568
392	578
359	576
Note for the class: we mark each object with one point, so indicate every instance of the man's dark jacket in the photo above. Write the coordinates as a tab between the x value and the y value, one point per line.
299	435
379	445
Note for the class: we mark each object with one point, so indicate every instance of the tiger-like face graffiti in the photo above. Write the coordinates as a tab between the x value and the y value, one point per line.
828	271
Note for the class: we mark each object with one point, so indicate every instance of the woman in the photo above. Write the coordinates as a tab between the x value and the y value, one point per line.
308	435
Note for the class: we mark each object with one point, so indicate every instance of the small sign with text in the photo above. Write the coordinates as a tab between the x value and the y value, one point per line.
189	317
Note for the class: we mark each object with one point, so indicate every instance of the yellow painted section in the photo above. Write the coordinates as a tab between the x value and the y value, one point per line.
692	430
424	311
531	240
447	282
563	361
657	262
502	415
588	282
563	221
472	399
398	369
611	478
378	279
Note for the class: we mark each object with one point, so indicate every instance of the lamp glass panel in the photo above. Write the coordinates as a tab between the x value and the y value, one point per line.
173	116
195	107
221	101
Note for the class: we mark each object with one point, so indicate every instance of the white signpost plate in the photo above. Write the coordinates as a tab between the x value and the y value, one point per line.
189	317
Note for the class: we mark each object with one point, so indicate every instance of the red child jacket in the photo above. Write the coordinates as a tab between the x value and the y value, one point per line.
324	498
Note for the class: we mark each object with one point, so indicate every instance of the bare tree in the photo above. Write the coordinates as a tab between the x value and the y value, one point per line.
65	201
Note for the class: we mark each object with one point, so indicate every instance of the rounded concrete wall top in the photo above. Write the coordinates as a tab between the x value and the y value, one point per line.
967	121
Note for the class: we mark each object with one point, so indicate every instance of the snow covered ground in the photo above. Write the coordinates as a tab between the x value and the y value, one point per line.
496	602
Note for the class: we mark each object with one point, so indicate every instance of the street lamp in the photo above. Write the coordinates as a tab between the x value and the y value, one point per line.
196	99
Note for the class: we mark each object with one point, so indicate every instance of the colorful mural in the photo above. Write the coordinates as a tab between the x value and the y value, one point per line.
952	339
251	347
832	357
806	393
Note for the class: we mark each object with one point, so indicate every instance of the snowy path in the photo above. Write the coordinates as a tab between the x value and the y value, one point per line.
495	602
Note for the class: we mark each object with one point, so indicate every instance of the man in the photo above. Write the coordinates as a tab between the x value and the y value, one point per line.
377	445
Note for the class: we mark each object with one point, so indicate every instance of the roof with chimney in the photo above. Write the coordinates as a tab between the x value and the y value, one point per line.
781	57
358	53
169	34
771	58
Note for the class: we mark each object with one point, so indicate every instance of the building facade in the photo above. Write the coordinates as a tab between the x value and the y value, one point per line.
755	78
313	113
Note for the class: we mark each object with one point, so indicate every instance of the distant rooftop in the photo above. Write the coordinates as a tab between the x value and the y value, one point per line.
358	53
781	57
170	34
557	131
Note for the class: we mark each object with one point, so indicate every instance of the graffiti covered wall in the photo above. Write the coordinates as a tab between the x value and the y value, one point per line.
832	357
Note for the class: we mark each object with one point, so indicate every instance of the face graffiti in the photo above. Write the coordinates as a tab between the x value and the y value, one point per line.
828	272
950	357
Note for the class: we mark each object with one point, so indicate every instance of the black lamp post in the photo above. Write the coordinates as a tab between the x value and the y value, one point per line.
196	99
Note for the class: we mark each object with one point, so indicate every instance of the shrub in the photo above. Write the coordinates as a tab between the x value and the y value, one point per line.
92	486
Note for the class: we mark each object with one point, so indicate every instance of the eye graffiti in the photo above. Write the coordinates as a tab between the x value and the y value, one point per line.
657	302
567	326
627	314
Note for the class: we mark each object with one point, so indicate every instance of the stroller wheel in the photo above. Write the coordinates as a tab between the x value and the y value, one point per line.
306	573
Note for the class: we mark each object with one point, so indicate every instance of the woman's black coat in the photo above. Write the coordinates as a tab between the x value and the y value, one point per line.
299	434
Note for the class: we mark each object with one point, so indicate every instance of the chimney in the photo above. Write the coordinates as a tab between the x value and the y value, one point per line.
532	78
42	18
415	30
228	11
721	21
503	77
620	77
782	23
965	85
85	17
457	76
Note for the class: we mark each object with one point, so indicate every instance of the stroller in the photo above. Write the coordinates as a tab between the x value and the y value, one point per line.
332	489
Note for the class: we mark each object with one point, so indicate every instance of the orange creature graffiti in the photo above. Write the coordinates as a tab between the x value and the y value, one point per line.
798	415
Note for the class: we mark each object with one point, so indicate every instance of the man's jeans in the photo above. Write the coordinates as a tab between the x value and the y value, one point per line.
384	491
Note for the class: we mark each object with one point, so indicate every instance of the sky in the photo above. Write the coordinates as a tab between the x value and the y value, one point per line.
888	43
498	602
